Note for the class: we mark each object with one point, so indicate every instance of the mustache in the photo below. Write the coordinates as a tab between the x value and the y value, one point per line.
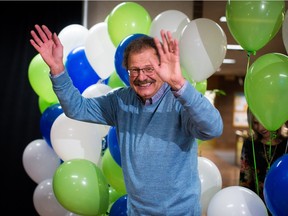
143	82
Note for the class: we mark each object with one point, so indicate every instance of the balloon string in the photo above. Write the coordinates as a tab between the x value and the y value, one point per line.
251	132
254	158
252	136
273	135
248	61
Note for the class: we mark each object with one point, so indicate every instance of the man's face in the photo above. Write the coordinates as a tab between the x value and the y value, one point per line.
145	85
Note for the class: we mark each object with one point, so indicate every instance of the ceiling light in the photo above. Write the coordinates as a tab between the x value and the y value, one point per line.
223	19
234	47
229	61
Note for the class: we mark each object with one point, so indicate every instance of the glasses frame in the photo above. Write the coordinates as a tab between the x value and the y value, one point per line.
135	72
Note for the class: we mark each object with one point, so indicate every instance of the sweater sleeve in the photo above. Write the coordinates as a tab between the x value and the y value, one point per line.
78	107
200	117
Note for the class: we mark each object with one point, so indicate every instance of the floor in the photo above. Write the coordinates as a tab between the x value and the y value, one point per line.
225	160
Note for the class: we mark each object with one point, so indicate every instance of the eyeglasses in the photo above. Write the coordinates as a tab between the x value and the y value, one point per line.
134	72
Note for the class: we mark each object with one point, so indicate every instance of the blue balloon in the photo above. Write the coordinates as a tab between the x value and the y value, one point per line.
113	145
80	70
119	207
47	119
276	187
118	58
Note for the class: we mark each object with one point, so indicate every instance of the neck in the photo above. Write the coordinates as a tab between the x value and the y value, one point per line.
272	142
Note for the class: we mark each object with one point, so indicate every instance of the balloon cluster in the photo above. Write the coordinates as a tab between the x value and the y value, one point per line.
253	24
74	172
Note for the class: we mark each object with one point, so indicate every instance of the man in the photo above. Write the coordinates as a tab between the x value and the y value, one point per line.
157	118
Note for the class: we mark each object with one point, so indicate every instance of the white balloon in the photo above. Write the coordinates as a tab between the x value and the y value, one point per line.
45	201
203	46
72	139
96	90
211	181
39	160
236	201
285	31
170	20
100	50
71	37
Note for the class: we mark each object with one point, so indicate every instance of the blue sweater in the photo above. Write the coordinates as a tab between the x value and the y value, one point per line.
157	143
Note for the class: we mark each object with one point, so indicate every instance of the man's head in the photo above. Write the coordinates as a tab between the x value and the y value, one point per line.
137	60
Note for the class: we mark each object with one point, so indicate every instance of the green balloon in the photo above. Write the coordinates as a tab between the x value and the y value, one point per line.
80	187
200	86
254	23
115	81
265	89
125	19
43	105
113	195
113	173
38	75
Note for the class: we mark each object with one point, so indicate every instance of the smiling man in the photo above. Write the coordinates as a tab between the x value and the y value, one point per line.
157	119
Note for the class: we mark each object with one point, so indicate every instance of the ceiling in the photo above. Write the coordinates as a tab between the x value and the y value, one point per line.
214	10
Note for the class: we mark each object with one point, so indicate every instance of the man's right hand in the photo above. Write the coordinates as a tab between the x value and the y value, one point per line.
49	47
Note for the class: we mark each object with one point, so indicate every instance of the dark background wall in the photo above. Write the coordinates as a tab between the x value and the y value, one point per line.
20	114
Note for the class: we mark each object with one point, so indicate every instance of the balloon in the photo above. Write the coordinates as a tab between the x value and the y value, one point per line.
203	46
45	201
200	86
115	81
113	195
39	160
80	70
80	187
127	18
211	181
38	75
113	172
285	31
72	139
43	105
71	37
119	207
113	145
236	200
265	85
96	90
100	50
254	23
121	71
276	187
170	20
47	119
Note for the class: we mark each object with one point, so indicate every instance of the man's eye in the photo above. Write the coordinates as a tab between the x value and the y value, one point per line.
150	69
134	70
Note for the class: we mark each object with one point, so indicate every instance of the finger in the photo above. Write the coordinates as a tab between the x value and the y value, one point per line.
159	46
164	41
176	47
47	32
36	40
35	45
56	40
171	42
41	33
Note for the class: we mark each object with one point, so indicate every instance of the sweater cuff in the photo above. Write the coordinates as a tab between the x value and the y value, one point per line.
181	90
